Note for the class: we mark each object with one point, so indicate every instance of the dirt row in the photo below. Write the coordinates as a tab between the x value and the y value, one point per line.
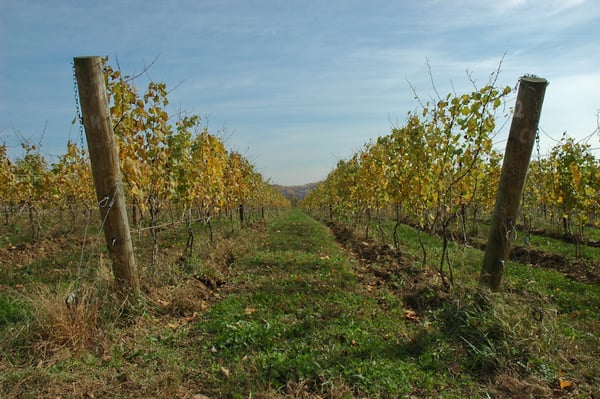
568	238
580	270
381	264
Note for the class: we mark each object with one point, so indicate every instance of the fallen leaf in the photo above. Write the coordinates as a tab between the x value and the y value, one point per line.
193	317
565	384
250	310
225	371
173	326
411	315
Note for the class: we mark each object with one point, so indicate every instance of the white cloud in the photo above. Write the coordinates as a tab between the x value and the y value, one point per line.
571	104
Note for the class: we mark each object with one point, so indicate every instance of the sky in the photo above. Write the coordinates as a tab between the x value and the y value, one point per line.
297	85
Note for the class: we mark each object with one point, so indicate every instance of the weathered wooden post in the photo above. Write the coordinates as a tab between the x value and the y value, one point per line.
106	171
521	137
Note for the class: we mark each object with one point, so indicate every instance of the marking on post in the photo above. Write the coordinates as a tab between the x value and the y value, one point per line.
525	135
519	110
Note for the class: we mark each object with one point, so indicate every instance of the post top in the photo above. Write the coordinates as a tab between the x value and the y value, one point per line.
533	79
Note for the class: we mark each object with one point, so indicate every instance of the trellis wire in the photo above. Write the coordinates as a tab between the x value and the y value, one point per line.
106	202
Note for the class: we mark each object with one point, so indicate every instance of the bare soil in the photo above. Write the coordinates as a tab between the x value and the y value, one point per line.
421	289
580	270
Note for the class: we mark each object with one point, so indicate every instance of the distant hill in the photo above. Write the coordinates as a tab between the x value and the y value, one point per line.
295	193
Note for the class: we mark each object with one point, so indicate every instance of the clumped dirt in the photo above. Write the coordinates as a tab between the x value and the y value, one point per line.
23	254
422	288
341	233
367	251
579	270
185	299
513	387
381	264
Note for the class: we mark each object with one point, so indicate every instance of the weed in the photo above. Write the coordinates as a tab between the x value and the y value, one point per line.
57	325
12	311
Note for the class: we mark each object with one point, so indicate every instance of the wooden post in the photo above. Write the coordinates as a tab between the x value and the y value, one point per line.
106	172
512	180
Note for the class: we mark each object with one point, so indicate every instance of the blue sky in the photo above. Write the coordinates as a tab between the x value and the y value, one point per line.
296	85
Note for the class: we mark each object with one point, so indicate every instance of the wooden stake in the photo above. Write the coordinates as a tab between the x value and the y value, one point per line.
512	180
106	171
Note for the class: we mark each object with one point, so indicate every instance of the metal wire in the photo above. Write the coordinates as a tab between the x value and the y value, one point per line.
73	298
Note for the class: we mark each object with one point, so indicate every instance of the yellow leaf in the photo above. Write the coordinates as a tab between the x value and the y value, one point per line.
565	384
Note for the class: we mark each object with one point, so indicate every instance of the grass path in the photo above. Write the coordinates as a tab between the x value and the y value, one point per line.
298	320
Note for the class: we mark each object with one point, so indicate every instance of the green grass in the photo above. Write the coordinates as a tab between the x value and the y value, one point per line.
529	328
12	310
562	247
553	245
294	314
300	317
592	233
306	320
